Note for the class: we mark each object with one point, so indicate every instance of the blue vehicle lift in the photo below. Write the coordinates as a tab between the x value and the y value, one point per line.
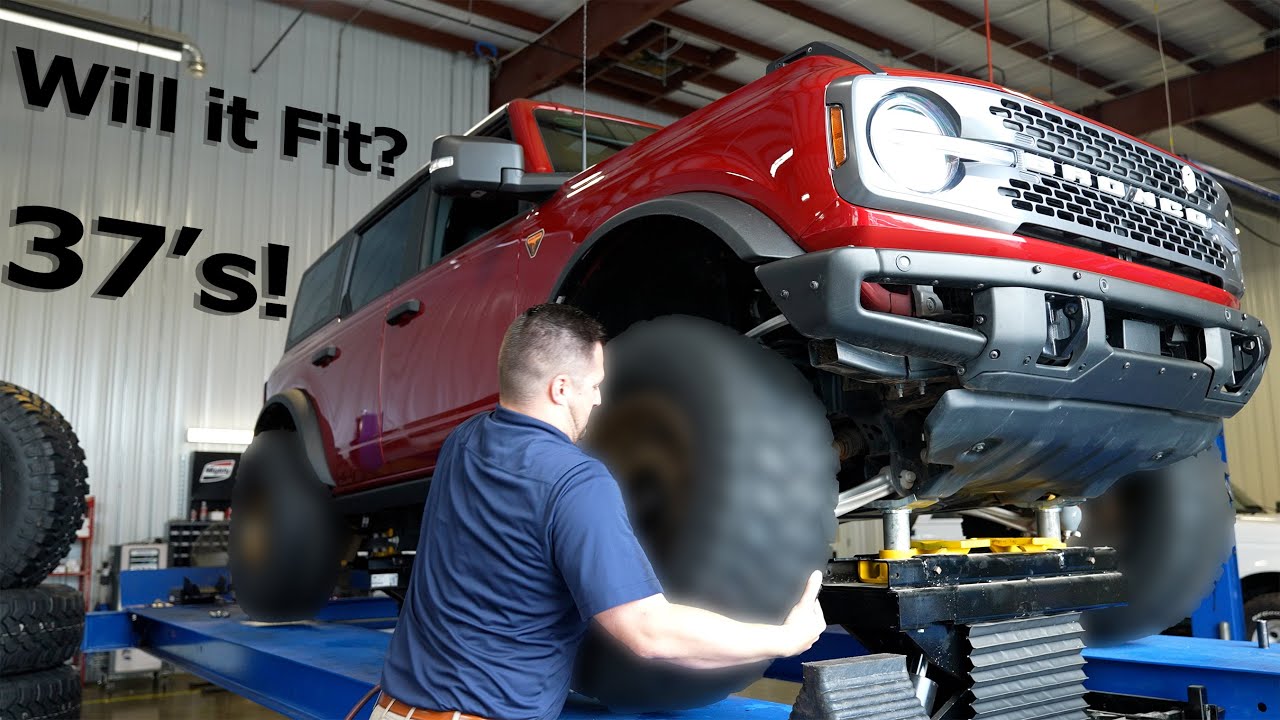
322	668
311	670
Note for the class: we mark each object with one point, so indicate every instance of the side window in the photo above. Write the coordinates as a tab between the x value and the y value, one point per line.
387	250
319	293
463	218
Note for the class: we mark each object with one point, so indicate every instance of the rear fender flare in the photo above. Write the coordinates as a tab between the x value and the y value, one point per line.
306	423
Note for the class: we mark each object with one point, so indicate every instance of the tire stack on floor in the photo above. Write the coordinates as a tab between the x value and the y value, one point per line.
42	504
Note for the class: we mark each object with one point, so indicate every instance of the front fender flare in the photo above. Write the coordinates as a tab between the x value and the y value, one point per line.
751	235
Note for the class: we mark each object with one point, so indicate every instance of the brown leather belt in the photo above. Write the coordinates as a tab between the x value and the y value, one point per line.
412	713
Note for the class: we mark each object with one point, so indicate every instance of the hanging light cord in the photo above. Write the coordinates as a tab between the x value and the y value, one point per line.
1164	71
986	11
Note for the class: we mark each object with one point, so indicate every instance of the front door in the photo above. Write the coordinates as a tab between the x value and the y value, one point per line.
442	367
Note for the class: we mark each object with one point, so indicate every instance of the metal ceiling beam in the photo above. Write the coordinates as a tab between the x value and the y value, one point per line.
687	54
718	36
505	14
385	24
1147	37
1256	13
535	68
1019	44
1229	140
1226	87
620	92
856	33
1131	28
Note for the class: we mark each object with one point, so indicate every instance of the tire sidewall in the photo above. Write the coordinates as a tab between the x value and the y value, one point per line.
297	569
760	512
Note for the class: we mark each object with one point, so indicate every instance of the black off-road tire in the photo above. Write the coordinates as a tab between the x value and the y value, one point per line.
286	536
42	487
1173	529
756	516
45	695
40	628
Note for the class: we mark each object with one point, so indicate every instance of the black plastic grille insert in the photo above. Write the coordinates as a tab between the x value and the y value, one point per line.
1082	144
1162	233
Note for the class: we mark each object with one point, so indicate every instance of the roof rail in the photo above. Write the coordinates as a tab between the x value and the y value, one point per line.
823	48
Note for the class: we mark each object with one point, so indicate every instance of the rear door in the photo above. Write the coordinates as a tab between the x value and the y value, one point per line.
441	366
315	336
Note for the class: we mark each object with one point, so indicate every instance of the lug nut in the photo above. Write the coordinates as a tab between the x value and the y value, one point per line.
1162	371
1158	456
784	294
1037	269
978	448
813	285
1077	275
994	354
980	319
1128	365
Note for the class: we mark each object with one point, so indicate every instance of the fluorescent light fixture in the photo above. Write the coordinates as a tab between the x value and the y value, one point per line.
219	436
100	28
91	35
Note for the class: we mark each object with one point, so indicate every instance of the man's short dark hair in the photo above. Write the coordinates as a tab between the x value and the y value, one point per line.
544	341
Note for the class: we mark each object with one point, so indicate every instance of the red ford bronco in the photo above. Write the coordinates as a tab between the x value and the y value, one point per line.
836	285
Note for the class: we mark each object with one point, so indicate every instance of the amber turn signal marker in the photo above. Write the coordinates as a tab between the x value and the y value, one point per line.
838	151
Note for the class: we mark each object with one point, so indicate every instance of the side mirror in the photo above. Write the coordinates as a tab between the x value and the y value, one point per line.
461	164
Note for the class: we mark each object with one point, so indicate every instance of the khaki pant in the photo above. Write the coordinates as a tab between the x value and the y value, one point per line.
383	713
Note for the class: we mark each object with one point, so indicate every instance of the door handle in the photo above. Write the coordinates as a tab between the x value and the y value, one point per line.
404	312
325	355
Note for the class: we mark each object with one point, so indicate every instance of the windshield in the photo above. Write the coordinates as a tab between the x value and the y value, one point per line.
562	136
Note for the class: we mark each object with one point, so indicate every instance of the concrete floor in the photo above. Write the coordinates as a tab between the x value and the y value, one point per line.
189	697
186	697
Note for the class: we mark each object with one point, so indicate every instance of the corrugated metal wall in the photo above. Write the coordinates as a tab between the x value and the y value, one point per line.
1253	436
133	374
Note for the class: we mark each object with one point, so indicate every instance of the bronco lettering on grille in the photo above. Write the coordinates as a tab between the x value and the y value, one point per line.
1045	166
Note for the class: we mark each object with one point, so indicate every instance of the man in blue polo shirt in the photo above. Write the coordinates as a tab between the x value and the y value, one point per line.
525	540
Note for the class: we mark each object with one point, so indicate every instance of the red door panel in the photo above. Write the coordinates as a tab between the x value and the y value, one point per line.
442	367
337	367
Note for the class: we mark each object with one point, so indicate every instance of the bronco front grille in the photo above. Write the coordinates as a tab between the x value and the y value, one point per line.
1074	203
1082	144
1065	179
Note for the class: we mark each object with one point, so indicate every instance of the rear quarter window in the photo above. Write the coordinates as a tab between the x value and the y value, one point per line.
319	293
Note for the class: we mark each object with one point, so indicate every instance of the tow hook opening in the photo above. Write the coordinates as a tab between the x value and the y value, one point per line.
1068	323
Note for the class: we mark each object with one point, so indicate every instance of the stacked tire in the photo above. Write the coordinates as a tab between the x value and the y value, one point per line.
43	485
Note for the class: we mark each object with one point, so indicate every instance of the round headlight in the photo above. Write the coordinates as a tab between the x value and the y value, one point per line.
898	133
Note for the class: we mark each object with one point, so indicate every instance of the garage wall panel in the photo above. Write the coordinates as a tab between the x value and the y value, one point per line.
1253	436
133	374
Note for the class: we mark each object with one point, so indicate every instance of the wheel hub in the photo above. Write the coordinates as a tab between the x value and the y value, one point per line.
646	442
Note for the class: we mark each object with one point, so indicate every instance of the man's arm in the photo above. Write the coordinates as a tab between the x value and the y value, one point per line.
657	629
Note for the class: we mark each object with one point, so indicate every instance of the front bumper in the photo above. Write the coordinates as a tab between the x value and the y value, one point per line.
1102	403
